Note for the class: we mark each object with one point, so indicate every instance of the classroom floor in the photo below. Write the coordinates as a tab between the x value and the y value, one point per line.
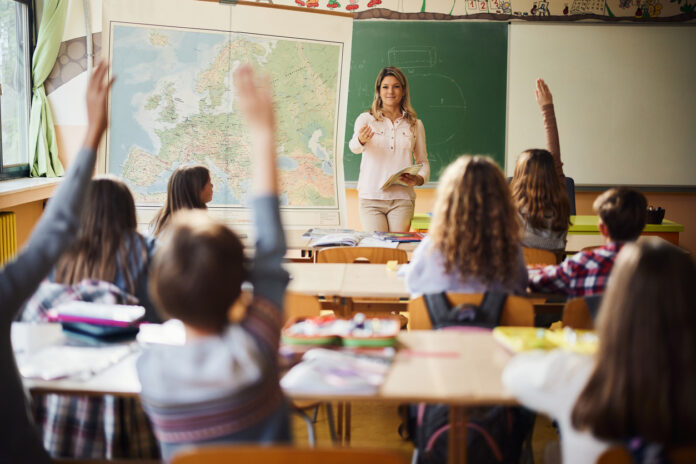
375	424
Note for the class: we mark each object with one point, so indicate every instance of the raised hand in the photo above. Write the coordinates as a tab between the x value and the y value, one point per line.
97	93
542	92
256	102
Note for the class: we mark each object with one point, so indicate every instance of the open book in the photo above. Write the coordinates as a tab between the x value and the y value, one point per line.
395	178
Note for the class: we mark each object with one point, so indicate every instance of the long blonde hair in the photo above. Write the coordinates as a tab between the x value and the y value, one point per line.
644	384
406	108
475	226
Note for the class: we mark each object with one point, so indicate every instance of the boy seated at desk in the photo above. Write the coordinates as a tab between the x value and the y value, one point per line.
622	213
222	386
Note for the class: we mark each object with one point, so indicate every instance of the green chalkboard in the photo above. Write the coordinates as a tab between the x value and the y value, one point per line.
457	73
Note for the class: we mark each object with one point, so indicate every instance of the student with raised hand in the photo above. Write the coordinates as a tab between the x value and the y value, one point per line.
622	213
19	441
538	186
108	263
222	386
473	245
638	390
189	187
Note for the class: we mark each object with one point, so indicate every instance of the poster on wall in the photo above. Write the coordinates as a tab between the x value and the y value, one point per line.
174	104
610	10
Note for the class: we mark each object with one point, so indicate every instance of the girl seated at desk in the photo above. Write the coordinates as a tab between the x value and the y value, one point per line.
639	389
473	244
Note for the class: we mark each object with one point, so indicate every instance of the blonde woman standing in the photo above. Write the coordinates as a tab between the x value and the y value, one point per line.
390	137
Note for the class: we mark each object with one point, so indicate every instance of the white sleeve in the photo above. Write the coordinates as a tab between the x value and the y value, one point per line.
420	152
354	144
548	382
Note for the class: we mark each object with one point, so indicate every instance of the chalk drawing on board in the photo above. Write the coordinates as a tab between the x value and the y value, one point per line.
409	58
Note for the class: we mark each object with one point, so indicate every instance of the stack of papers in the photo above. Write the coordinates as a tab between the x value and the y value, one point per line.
57	362
330	372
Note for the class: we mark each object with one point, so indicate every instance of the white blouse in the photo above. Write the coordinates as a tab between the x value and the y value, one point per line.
393	146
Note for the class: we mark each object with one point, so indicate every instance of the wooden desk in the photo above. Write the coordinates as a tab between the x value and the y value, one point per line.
587	225
316	278
460	368
372	281
584	225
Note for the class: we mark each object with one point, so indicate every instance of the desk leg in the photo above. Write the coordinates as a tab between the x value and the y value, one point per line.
339	422
457	435
346	432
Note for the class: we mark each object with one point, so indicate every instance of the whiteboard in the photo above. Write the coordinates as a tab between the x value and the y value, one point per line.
625	100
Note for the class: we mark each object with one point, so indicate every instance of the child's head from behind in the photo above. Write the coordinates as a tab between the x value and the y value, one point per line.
185	187
623	210
537	190
108	221
474	222
198	270
644	381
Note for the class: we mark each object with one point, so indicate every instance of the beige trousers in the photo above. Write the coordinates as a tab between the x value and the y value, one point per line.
386	215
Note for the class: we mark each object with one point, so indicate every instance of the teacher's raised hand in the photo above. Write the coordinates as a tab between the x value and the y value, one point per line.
365	134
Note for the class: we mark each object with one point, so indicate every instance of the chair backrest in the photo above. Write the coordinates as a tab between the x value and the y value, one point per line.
570	188
286	455
374	255
517	311
576	315
538	256
299	305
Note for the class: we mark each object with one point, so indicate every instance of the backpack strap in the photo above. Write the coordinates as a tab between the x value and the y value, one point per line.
438	307
491	309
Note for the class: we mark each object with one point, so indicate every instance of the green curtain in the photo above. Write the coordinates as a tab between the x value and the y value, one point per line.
42	134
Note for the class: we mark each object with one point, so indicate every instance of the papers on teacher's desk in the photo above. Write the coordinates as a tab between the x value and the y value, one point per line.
61	361
395	178
324	371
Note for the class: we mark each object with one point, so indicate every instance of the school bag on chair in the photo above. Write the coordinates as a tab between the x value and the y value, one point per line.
494	434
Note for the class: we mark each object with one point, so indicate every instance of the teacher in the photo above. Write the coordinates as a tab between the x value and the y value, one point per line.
389	136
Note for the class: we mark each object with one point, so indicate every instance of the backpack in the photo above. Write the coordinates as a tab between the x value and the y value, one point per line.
494	434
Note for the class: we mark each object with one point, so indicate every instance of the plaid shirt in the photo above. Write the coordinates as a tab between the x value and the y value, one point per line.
88	427
585	273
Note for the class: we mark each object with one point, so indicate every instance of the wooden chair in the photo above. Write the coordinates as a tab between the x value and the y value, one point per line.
534	256
576	315
373	255
518	311
299	305
286	455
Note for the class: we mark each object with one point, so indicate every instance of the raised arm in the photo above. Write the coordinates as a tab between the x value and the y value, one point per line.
256	102
545	101
58	225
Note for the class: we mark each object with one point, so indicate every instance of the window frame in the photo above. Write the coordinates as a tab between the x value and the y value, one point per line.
22	170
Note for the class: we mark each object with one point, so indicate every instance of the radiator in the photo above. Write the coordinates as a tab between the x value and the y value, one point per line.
8	236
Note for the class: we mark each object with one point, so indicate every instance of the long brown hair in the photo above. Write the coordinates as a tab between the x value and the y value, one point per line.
406	108
644	383
183	192
106	239
537	191
475	225
198	270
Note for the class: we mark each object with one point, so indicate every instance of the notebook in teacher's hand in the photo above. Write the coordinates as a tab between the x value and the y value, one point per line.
395	178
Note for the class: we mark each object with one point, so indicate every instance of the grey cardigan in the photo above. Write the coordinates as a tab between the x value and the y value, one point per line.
19	441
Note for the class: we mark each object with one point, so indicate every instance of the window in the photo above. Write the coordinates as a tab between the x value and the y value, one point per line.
15	94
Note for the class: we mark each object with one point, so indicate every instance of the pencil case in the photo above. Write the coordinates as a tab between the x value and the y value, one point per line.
329	330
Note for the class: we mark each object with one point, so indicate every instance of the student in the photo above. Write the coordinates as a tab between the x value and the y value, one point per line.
473	245
108	263
222	385
189	187
538	186
639	388
622	212
108	249
19	442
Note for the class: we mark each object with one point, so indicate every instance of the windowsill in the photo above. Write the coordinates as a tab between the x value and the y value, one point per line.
26	190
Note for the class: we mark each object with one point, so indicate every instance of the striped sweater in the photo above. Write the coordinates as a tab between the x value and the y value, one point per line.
225	389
